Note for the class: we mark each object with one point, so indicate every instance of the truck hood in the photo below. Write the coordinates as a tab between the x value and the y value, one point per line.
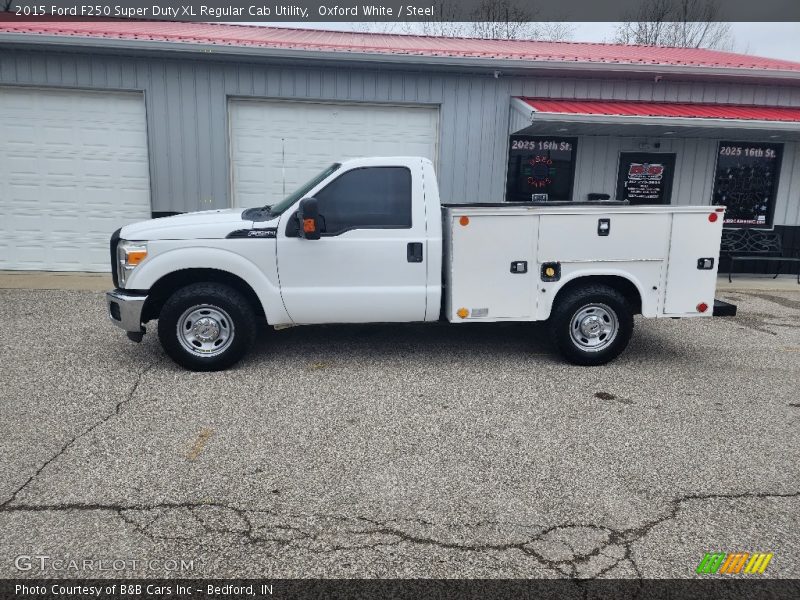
207	224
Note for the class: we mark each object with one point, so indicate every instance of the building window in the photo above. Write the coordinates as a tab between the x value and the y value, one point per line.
540	168
746	180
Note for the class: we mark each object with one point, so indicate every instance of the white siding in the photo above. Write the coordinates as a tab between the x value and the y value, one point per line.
787	204
597	163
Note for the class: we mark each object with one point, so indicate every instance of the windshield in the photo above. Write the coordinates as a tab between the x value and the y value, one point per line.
281	206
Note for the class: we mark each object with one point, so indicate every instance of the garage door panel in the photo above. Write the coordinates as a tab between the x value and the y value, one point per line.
73	168
277	145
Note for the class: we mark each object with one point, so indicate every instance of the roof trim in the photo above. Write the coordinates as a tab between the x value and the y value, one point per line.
583	111
488	63
741	124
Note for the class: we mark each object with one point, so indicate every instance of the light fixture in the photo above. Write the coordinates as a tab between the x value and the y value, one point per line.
669	133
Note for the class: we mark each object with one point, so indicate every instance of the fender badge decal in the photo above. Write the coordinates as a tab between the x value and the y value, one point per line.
269	232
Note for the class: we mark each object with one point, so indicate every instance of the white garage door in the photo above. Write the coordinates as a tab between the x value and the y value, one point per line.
73	168
278	146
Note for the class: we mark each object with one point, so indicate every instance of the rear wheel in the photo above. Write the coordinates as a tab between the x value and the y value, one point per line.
591	325
206	326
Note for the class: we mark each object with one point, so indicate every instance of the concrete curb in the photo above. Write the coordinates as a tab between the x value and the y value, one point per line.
40	280
784	283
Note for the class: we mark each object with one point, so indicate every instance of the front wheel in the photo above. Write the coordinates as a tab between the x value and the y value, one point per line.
206	326
591	325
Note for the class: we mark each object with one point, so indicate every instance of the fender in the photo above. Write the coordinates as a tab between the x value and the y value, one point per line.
649	300
168	260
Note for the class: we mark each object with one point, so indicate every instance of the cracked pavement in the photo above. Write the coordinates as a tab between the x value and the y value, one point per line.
400	451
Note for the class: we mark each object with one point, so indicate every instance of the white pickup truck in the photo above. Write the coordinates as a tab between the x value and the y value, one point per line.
367	241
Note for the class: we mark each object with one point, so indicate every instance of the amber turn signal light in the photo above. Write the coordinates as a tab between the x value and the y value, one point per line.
462	313
309	226
134	257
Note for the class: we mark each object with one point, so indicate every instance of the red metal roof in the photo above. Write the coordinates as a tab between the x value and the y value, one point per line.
664	109
391	44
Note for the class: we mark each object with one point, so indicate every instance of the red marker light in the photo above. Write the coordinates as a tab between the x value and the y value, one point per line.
702	307
713	217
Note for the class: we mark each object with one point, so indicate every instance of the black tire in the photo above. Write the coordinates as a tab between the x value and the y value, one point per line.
225	310
597	307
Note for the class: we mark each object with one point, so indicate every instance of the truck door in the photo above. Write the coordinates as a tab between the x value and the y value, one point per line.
368	265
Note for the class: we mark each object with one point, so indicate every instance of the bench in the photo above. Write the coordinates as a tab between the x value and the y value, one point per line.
755	244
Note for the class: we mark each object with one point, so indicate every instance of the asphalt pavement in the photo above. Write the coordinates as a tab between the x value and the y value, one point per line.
397	451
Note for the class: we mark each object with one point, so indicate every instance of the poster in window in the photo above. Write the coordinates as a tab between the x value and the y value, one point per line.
645	177
746	181
540	168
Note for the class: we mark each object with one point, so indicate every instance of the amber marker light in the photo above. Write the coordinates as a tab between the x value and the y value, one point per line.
464	221
134	257
463	313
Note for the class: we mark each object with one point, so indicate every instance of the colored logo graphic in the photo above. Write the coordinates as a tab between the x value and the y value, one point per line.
734	563
540	171
652	170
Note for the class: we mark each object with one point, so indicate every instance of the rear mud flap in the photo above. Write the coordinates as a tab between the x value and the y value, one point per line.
724	309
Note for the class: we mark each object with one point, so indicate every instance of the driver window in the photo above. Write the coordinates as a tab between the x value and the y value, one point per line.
367	198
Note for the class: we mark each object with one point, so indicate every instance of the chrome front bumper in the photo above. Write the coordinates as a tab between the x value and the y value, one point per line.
125	311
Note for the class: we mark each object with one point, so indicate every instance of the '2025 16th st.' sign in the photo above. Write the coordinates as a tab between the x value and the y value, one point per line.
746	182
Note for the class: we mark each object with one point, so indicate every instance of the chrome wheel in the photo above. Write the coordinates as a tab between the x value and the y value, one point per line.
594	327
205	330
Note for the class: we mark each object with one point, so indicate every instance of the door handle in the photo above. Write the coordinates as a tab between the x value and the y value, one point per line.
414	252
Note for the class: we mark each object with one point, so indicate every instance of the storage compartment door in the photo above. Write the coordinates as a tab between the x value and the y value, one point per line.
481	278
694	237
577	237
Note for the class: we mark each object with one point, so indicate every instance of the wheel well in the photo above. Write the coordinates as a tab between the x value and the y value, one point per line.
622	285
160	292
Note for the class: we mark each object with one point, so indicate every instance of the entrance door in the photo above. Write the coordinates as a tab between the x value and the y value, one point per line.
369	264
645	177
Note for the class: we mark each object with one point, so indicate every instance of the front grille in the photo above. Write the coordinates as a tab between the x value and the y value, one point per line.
114	243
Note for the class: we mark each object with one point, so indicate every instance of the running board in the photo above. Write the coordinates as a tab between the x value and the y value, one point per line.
724	309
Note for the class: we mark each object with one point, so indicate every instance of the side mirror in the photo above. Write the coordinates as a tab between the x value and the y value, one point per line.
308	219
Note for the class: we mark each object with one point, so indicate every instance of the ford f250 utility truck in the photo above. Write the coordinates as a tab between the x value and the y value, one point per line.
367	241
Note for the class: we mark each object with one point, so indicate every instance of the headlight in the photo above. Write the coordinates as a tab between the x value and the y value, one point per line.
129	256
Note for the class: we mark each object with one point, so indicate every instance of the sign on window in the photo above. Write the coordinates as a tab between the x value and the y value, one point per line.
540	168
746	181
645	177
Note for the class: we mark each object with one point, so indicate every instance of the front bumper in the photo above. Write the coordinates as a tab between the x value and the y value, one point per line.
125	311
